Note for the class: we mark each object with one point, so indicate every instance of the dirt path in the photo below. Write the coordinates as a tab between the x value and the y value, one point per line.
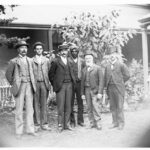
137	123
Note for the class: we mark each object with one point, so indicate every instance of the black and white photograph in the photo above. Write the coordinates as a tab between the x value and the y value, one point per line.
74	74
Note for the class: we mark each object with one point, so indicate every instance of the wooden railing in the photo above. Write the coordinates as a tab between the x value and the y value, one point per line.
7	102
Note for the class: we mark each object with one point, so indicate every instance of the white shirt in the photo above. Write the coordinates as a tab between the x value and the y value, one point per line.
64	59
75	60
112	64
24	59
89	67
39	58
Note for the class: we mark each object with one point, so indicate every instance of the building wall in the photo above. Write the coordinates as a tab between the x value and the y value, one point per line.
133	49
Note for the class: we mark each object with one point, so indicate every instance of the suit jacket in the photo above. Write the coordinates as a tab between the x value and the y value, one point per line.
45	69
80	66
120	74
96	80
14	77
57	73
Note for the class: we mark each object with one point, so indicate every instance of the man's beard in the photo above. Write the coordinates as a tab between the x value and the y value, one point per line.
64	55
89	64
74	56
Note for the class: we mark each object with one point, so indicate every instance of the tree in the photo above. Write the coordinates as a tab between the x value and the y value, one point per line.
3	12
10	42
95	33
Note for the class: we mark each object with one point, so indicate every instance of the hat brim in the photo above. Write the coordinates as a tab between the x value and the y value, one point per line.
88	54
41	44
72	48
62	49
19	45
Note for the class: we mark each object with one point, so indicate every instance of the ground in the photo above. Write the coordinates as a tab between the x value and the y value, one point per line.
137	124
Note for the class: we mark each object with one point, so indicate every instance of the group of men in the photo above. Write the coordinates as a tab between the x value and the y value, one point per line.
71	78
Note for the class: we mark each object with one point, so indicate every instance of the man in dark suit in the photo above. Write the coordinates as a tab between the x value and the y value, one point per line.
41	67
21	77
61	77
77	65
116	74
92	89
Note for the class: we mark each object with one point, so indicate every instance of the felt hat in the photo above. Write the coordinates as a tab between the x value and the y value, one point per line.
63	46
21	43
88	53
38	43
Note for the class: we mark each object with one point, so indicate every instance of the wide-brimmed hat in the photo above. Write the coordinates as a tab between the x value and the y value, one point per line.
38	43
21	43
63	46
88	53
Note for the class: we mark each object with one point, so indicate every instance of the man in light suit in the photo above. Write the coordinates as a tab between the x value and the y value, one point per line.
61	77
77	65
116	74
41	66
92	89
20	76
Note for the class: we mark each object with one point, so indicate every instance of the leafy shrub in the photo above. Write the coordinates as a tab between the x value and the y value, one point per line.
135	85
11	42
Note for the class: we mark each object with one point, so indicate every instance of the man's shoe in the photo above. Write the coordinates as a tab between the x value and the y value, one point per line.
120	127
72	124
46	128
37	128
91	127
99	127
68	128
33	134
113	126
81	124
60	129
18	136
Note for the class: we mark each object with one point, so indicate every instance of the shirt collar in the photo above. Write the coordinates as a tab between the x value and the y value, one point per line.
75	60
113	62
22	56
38	57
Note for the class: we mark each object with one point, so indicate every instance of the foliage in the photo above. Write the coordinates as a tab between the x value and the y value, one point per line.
135	85
3	8
10	42
7	21
96	33
3	12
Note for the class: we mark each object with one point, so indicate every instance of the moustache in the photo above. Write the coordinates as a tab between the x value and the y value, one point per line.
24	52
64	54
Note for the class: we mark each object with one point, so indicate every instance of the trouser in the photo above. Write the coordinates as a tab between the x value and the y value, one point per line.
63	99
77	91
40	104
25	95
94	107
116	104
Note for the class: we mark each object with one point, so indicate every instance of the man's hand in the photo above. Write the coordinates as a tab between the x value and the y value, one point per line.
99	96
83	97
